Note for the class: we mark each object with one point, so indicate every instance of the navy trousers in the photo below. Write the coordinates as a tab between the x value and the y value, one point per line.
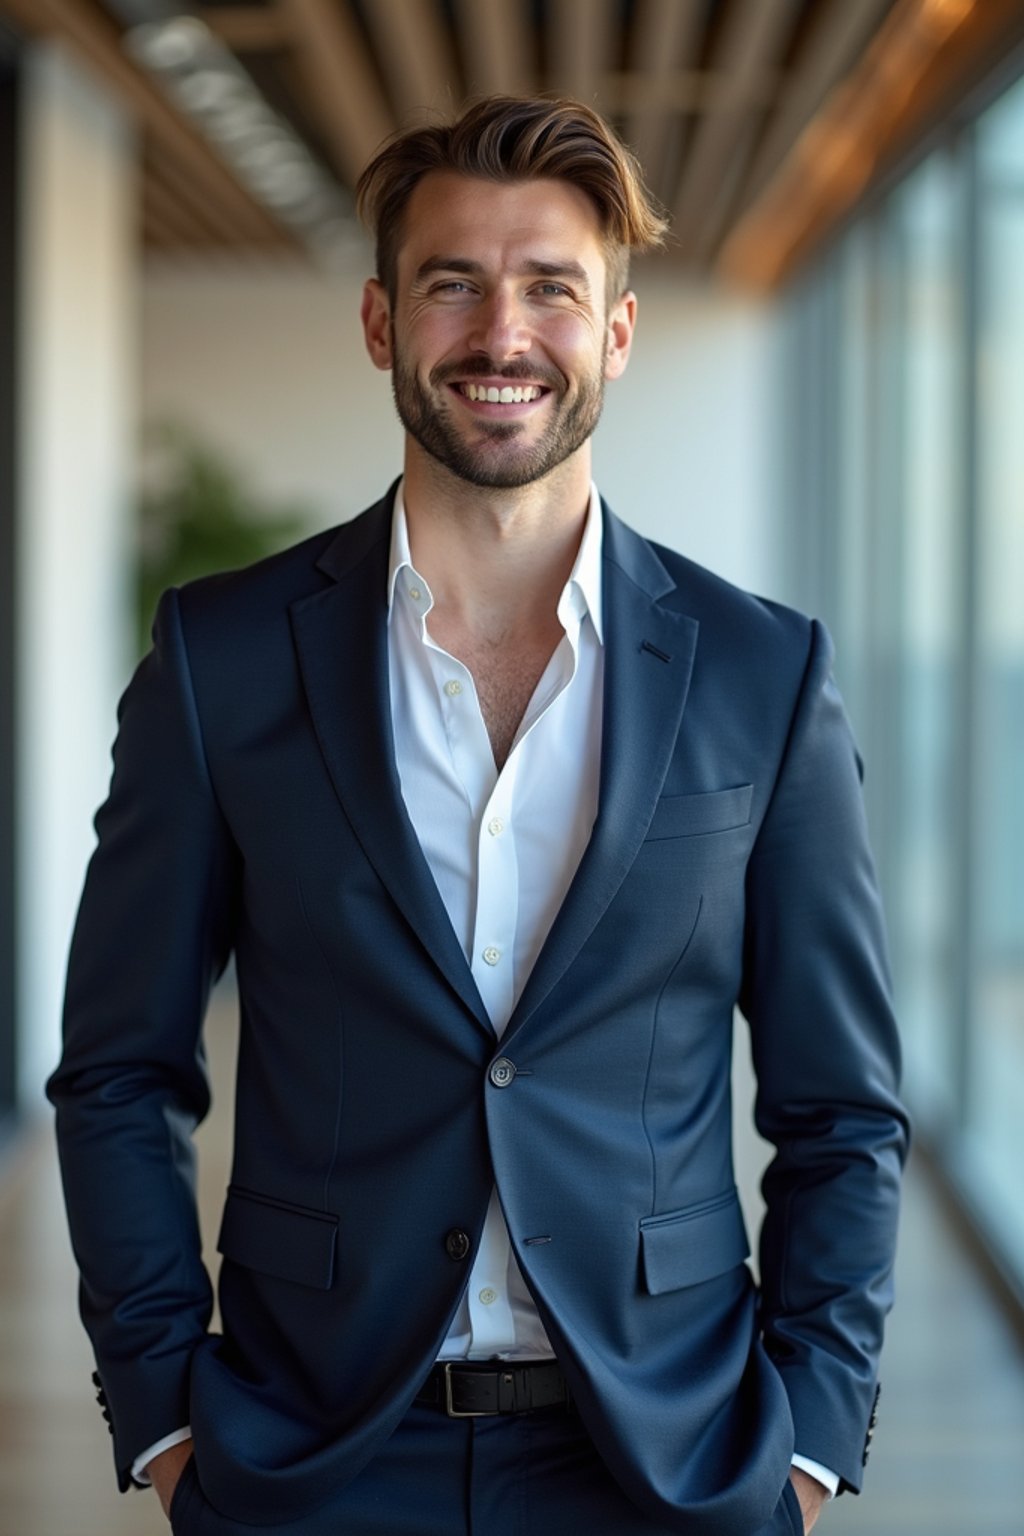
531	1474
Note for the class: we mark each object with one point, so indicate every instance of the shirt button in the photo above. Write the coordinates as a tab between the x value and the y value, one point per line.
495	826
488	1297
453	687
492	955
415	594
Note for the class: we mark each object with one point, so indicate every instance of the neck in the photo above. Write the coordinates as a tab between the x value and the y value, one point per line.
496	560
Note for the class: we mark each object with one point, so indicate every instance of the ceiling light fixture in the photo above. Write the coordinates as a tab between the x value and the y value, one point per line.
207	83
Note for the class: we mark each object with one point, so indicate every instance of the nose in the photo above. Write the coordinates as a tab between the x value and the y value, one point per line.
500	327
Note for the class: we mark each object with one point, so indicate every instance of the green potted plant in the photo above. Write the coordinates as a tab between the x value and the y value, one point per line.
197	515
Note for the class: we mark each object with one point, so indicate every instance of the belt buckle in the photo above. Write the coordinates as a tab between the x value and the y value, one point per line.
449	1406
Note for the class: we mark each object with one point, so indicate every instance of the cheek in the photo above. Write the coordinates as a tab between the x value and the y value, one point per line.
570	333
428	337
573	345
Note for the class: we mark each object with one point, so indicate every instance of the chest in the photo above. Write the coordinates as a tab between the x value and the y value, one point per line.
505	684
505	675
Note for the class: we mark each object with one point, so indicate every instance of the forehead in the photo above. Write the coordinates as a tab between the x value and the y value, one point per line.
498	222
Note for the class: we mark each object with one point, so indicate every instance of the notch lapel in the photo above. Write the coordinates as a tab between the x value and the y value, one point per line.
340	634
649	653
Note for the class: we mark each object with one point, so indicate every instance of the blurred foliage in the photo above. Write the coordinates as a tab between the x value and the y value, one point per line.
197	515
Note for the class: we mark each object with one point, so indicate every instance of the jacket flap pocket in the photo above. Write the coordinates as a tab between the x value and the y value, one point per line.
689	815
286	1241
685	1247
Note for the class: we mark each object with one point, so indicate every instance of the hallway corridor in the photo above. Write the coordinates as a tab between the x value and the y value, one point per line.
948	1457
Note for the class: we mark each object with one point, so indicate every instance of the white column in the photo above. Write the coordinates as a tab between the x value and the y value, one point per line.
79	278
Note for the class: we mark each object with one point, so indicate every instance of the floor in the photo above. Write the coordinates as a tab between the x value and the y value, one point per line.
949	1451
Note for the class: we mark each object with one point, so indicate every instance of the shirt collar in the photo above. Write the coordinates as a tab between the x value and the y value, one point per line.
400	559
581	594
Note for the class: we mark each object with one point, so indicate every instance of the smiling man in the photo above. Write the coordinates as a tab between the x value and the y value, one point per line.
502	811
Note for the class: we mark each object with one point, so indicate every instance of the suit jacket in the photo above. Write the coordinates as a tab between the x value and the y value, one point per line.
255	807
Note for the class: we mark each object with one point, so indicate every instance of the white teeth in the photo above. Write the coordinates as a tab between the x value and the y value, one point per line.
508	395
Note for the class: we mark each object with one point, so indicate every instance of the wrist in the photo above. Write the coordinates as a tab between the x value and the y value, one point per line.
166	1468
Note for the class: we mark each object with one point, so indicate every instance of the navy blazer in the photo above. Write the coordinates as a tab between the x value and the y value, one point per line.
255	808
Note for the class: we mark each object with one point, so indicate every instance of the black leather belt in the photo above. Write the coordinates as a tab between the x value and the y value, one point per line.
472	1390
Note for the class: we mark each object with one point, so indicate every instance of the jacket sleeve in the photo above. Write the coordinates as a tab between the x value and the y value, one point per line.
153	932
816	994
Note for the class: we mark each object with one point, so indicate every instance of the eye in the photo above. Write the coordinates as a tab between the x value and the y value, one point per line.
553	290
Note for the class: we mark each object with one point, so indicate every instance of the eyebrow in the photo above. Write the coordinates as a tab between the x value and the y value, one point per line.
569	270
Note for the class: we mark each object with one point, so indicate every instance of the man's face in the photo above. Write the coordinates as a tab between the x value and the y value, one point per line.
499	337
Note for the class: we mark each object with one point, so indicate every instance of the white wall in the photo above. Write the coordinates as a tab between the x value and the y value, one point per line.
270	366
77	367
684	450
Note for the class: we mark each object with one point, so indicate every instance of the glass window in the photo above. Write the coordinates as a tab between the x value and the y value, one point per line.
996	1110
923	874
854	489
907	398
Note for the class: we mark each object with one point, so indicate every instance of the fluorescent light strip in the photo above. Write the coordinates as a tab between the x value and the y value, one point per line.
205	80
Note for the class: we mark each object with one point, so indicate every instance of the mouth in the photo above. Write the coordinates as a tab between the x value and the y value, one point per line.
504	394
499	397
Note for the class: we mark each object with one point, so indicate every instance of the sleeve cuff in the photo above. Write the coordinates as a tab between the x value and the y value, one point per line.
828	1480
140	1477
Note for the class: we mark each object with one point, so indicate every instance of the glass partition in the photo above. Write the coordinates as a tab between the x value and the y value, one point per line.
923	871
996	1105
904	427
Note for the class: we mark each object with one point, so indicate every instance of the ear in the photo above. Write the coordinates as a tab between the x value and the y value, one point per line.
621	321
375	313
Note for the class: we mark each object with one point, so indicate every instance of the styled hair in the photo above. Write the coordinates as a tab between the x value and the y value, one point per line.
516	138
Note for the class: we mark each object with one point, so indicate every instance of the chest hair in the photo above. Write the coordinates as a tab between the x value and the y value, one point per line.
505	676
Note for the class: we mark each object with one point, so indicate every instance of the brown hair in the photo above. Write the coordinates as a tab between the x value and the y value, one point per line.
516	138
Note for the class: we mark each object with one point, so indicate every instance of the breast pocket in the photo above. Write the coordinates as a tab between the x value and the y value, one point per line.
720	810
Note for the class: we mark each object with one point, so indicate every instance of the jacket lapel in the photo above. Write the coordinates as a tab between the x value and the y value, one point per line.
341	638
649	653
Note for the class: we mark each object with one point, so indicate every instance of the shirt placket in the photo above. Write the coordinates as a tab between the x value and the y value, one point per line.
491	797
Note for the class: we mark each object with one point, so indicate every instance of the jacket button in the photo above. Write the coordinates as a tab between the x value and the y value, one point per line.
456	1243
502	1072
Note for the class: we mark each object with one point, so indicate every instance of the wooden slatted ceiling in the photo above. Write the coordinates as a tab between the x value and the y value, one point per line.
95	36
415	53
716	96
666	41
914	67
337	73
580	38
497	47
697	87
753	39
836	36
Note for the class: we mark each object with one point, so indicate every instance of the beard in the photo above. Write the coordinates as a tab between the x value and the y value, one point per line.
495	453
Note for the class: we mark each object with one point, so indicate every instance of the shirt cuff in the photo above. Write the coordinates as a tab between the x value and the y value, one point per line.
140	1477
828	1480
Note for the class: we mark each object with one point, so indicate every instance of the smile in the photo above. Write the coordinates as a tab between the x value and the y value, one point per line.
508	394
